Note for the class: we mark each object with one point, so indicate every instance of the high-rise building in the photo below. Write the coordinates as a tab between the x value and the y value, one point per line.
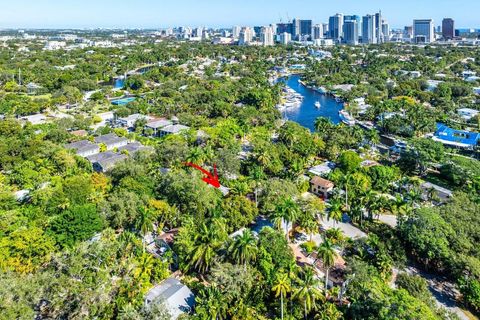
236	32
448	29
257	30
306	28
284	27
326	29
285	38
408	32
336	27
197	32
423	31
353	17
385	31
350	32
369	34
295	28
317	32
246	36
378	27
266	36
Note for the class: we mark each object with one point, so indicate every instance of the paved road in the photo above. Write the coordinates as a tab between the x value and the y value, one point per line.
443	291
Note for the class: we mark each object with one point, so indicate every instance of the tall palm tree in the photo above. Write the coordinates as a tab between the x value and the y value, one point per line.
211	304
286	212
144	222
323	125
308	291
281	288
335	211
244	248
327	254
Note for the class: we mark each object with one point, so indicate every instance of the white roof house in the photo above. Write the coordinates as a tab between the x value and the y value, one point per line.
173	129
467	113
177	297
129	121
322	169
35	119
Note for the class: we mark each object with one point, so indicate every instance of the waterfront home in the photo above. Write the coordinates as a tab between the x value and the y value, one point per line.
456	138
111	141
84	148
177	297
321	187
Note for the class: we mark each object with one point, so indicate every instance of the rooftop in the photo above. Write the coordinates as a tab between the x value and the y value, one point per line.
322	182
109	139
175	128
177	297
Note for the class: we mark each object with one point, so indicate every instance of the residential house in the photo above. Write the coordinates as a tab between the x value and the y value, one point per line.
133	148
84	148
456	138
35	119
33	88
178	298
467	113
111	141
105	161
129	122
430	190
173	129
322	169
321	187
157	125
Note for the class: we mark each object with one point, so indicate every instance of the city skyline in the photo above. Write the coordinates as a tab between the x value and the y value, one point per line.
220	13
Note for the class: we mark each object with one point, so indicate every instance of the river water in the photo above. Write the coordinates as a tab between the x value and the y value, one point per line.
306	113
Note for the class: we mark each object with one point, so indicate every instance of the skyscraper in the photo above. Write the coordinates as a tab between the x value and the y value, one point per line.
295	28
369	34
448	29
378	27
246	36
336	26
350	32
236	32
306	28
285	27
423	31
317	32
266	36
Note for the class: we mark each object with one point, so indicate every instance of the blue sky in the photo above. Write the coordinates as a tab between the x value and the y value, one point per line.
220	13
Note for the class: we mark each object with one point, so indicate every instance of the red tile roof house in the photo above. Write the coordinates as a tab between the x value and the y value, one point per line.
321	187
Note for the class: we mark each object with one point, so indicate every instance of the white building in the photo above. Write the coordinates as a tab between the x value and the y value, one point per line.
423	31
266	36
129	122
318	31
285	38
236	32
54	45
246	36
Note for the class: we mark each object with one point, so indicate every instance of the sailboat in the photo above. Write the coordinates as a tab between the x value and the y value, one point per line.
317	105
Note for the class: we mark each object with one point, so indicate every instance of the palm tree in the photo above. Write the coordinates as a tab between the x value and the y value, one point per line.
207	242
308	291
281	288
144	223
327	254
335	212
323	125
244	248
211	304
286	212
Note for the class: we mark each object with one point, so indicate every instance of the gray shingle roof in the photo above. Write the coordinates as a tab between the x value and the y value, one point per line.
82	146
110	139
177	297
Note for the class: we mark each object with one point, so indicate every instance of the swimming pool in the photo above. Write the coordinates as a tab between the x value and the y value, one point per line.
122	102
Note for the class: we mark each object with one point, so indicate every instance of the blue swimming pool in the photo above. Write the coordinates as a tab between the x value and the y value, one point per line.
124	101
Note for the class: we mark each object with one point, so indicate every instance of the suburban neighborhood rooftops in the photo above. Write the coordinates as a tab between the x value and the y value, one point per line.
109	139
133	148
322	169
106	159
82	146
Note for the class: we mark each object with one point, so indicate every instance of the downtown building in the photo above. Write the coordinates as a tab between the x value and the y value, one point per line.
423	31
369	31
246	36
267	36
335	25
350	32
448	29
